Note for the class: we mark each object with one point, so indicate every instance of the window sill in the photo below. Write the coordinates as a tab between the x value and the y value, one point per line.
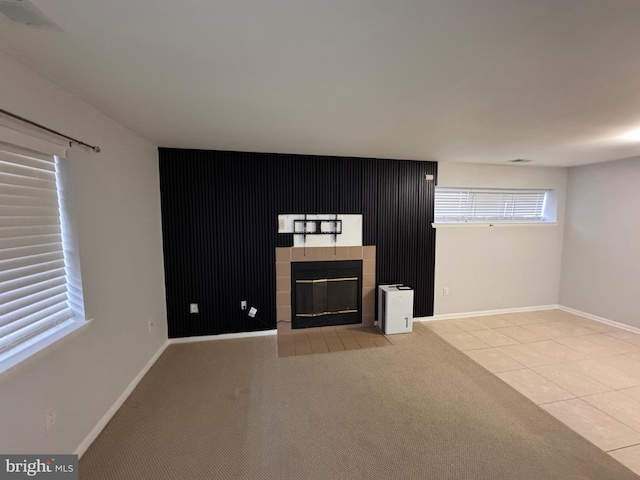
37	344
487	224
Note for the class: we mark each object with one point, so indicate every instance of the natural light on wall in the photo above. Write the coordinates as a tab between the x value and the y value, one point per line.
632	136
489	206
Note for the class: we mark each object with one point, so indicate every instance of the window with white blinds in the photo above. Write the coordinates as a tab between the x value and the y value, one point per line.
34	295
464	205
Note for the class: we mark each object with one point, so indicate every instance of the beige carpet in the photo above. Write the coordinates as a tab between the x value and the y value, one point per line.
418	409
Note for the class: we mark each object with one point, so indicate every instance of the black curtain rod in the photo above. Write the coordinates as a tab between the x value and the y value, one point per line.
95	148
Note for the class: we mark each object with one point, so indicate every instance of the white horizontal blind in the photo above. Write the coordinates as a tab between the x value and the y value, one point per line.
33	292
458	205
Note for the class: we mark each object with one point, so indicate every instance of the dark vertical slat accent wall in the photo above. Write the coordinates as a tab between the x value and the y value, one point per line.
280	175
219	218
258	242
426	241
303	184
387	269
348	185
369	202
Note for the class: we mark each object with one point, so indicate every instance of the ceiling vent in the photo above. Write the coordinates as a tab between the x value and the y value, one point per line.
519	160
26	13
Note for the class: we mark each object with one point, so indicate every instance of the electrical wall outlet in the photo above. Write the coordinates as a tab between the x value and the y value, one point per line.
445	291
243	305
50	417
193	308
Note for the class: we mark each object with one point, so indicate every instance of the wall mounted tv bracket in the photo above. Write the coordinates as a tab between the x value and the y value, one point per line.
307	226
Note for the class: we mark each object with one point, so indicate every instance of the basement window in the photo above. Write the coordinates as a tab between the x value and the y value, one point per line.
491	206
41	299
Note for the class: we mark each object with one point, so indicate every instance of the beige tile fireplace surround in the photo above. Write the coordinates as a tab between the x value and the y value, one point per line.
286	255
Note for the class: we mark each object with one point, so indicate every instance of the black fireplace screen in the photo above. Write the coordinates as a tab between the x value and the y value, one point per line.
327	296
326	293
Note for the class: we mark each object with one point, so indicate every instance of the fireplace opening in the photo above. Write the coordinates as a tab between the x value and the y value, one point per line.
326	293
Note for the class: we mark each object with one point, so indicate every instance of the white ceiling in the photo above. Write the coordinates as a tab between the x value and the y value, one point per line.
554	81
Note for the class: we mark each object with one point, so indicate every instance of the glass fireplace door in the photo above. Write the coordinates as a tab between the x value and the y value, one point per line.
326	294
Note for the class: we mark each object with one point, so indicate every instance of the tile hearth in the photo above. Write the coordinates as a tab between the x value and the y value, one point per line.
307	341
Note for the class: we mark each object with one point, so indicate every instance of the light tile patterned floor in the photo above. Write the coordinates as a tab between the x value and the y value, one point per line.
584	373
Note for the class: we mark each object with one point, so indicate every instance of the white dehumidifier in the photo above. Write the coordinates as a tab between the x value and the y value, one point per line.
395	309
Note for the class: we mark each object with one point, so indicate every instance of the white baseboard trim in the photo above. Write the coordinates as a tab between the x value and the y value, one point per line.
485	313
224	336
93	434
596	318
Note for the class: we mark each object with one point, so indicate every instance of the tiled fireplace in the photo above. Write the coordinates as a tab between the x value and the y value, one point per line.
286	255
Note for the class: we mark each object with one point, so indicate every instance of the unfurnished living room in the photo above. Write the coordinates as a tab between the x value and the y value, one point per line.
350	239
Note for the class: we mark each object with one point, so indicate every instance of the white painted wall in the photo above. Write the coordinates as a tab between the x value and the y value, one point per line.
117	203
500	267
601	255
